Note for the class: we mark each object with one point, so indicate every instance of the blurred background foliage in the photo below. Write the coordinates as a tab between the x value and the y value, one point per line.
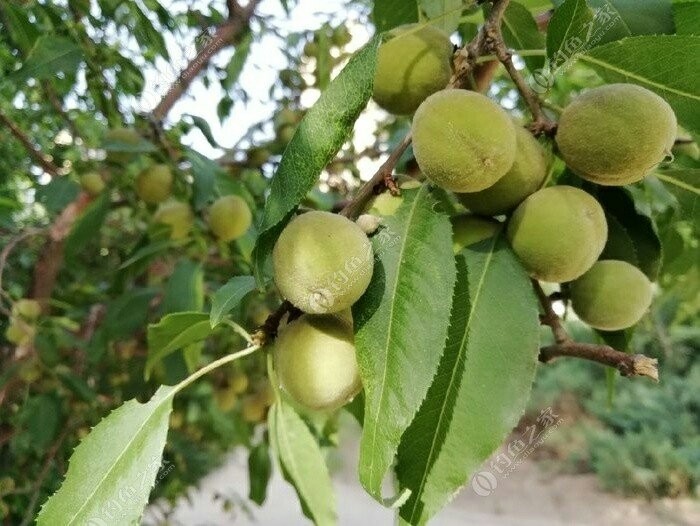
72	69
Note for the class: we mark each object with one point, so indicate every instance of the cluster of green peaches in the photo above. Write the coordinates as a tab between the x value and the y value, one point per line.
466	143
228	217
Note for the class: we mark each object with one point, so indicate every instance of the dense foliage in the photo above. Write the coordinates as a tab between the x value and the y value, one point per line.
140	279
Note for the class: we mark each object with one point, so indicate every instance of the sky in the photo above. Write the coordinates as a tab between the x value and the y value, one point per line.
262	67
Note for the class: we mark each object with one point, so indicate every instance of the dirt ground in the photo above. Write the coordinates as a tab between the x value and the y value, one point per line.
528	497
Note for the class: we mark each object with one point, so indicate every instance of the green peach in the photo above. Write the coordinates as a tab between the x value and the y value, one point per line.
413	64
611	296
92	183
616	134
229	217
462	140
558	233
178	216
316	363
525	177
322	262
154	184
122	137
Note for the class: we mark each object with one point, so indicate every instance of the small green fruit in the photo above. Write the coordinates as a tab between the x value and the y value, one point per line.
616	134
462	140
177	216
468	229
285	133
154	184
239	382
386	204
121	138
19	332
27	309
226	399
322	262
316	363
229	217
611	296
257	156
92	183
525	177
341	36
311	49
558	233
412	65
253	409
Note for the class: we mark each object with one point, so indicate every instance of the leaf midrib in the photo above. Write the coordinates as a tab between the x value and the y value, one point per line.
414	206
462	347
635	76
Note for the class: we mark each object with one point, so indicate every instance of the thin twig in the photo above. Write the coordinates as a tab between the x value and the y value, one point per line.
627	364
43	160
494	43
224	34
378	181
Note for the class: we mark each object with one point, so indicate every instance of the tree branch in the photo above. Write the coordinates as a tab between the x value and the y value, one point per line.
494	43
51	257
627	364
238	21
44	161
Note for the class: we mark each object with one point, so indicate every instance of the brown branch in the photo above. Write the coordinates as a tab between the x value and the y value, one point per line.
10	247
51	257
43	160
494	43
627	364
225	33
378	181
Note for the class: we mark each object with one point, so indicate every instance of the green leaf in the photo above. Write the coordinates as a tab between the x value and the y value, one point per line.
204	172
687	17
185	288
446	13
87	227
401	325
174	332
388	14
229	296
483	382
568	31
112	471
237	62
40	419
632	235
23	32
56	195
204	127
684	184
127	313
616	19
146	251
317	140
51	54
302	463
259	472
655	63
520	32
